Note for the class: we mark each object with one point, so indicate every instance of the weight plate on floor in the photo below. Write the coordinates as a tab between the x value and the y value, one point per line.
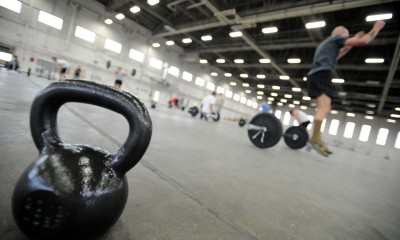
264	130
296	137
242	122
193	111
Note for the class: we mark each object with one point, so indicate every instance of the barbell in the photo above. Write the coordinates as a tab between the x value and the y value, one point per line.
108	65
195	110
265	130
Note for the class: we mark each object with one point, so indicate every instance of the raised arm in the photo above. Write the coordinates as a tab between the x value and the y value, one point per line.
365	39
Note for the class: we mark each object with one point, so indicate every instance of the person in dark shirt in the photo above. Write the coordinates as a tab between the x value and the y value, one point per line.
319	78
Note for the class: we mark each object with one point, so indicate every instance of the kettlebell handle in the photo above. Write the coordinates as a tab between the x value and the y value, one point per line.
43	117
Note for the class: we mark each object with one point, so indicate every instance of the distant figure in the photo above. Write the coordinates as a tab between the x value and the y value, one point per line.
219	102
265	107
62	66
77	73
301	117
119	74
173	102
207	106
14	65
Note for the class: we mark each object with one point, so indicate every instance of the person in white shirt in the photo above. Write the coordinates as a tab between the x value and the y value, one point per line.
207	105
62	65
301	117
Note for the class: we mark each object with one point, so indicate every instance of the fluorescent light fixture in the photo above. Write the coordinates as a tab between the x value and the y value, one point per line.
274	94
374	60
112	45
271	99
220	89
371	82
259	97
170	43
228	74
260	92
199	81
288	96
155	63
243	100
214	74
187	40
337	80
5	56
245	84
206	38
228	94
210	86
334	112
279	104
350	114
283	100
391	120
369	117
108	21
294	60
315	24
369	112
236	97
296	89
174	71
120	16
292	105
203	61
136	55
50	20
296	102
269	30
247	91
264	60
85	34
238	61
395	115
306	98
220	60
304	78
12	5
303	107
384	16
276	87
244	75
156	45
284	77
397	109
260	76
371	105
260	86
235	34
152	2
187	76
232	83
135	9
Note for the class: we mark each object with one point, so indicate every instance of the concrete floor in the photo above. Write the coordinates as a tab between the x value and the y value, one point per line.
205	180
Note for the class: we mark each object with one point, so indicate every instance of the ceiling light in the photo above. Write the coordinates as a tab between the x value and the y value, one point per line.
244	75
279	104
260	86
296	102
288	96
397	109
220	60
315	24
369	112
303	107
235	34
265	60
135	9
261	76
187	40
239	61
337	80
259	97
269	30
342	94
370	105
206	38
228	74
370	82
203	61
271	99
283	100
296	89
294	60
260	92
350	114
334	112
304	78
245	84
108	21
214	74
394	115
120	16
284	77
232	83
274	94
391	120
276	87
374	60
306	98
247	91
155	45
369	117
372	18
291	105
170	43
152	2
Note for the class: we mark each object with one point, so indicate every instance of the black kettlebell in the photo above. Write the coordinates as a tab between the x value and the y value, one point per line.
77	191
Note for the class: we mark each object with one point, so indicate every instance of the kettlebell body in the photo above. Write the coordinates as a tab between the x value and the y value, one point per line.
77	191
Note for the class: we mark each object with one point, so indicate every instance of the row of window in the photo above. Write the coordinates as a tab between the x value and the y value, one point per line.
348	131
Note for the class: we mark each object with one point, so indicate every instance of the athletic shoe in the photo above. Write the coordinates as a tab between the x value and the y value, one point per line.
318	146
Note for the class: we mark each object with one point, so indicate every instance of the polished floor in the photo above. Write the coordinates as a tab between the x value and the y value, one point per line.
205	180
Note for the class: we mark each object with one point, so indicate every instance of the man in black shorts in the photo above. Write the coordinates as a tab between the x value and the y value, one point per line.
319	78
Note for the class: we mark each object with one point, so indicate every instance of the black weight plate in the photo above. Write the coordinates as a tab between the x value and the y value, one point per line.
108	64
193	111
242	122
271	136
133	72
296	137
215	117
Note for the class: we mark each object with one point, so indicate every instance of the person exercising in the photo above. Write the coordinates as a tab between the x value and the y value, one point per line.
319	85
207	105
62	66
301	117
